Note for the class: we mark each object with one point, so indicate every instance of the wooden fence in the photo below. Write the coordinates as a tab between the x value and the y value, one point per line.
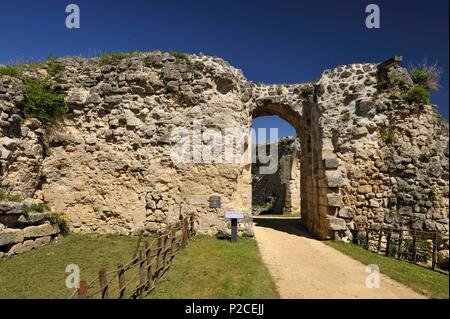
418	247
138	277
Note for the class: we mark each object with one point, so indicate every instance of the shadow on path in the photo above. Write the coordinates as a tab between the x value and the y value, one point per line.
292	226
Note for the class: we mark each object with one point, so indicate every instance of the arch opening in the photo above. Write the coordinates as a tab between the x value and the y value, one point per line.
314	209
275	191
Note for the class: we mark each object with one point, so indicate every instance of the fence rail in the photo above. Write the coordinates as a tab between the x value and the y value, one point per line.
416	246
138	277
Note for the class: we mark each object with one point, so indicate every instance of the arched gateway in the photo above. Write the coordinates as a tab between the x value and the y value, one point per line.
320	198
369	157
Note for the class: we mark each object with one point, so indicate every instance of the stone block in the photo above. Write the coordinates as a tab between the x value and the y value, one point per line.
42	241
336	223
364	189
40	231
11	236
21	247
331	163
10	207
34	218
374	203
334	200
333	178
346	212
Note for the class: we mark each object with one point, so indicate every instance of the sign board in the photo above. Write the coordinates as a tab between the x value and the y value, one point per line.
214	202
234	215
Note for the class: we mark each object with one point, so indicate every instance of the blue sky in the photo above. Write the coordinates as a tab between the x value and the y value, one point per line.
271	41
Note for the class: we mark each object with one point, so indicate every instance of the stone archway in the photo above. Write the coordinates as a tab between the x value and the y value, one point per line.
319	184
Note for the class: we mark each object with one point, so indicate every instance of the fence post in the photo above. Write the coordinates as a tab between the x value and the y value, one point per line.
388	243
149	262
400	243
121	276
103	283
166	251
82	290
191	226
141	274
435	247
158	255
367	237
379	239
414	246
185	233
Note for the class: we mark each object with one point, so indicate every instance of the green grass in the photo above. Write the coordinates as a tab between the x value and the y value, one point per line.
54	67
112	57
35	208
207	268
180	56
417	94
215	268
11	70
426	281
41	273
10	198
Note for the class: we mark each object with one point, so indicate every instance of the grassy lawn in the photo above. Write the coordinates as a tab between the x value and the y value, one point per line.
207	268
426	281
215	268
41	273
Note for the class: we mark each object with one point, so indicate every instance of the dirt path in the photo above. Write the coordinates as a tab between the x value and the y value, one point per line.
304	267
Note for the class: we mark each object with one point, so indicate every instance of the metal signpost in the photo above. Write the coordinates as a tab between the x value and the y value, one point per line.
234	216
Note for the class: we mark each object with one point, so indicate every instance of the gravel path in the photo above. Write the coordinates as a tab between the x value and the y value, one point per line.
304	267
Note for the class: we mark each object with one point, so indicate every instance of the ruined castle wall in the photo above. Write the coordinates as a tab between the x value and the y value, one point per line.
392	155
108	165
368	158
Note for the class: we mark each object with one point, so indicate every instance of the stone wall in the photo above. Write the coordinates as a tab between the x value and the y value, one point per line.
367	156
22	231
383	181
278	193
108	164
290	176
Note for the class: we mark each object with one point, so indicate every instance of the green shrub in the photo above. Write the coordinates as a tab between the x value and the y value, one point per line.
279	90
180	56
10	198
11	70
422	250
388	136
419	77
306	91
112	57
393	248
426	75
35	208
346	117
62	221
42	101
417	94
361	240
55	68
